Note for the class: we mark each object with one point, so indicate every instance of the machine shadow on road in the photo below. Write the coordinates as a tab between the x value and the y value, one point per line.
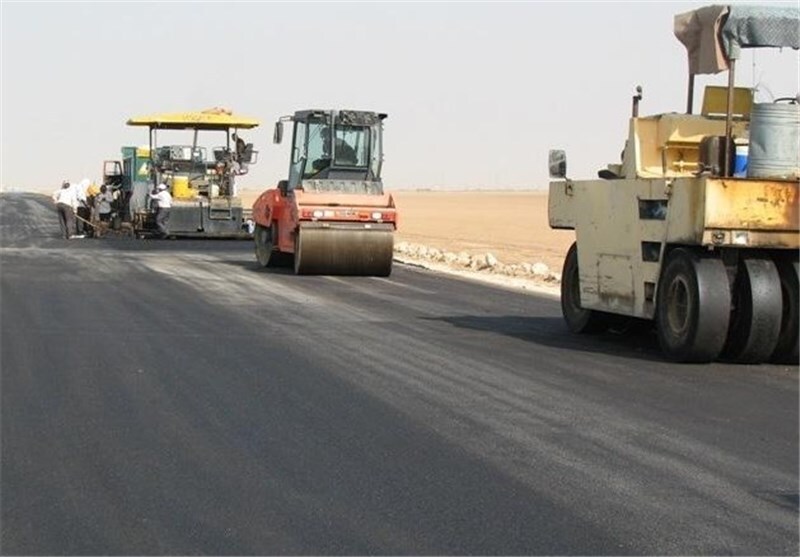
633	340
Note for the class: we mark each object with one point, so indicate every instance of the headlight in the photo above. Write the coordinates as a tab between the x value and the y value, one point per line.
317	214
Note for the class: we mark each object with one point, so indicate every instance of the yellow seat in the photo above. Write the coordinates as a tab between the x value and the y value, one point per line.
715	101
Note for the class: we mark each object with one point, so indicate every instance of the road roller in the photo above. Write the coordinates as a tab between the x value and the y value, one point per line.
696	229
332	215
202	180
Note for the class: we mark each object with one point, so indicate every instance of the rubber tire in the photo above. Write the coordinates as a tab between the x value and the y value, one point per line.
265	247
757	310
693	307
786	351
579	320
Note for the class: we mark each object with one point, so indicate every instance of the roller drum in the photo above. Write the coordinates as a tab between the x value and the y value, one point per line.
344	250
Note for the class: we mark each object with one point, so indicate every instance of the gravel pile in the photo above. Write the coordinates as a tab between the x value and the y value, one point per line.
486	263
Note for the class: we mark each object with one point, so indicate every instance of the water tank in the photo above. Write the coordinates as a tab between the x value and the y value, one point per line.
774	141
181	188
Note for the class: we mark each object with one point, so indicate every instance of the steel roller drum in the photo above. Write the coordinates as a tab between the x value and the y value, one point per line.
344	249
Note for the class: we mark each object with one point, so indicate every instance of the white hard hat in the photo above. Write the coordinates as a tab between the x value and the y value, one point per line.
162	187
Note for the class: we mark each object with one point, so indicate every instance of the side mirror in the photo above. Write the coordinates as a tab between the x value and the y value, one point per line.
558	163
277	137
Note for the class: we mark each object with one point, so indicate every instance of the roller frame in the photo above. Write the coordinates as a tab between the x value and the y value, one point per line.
579	320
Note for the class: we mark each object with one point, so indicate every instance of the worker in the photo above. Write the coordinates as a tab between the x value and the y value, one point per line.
103	201
164	200
66	203
241	146
84	208
345	154
92	191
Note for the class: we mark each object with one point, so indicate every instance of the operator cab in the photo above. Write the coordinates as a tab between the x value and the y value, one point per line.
334	146
113	175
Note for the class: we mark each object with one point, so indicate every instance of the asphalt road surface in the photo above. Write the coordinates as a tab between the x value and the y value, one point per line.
168	397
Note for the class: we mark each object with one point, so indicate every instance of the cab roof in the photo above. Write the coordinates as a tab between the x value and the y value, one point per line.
209	119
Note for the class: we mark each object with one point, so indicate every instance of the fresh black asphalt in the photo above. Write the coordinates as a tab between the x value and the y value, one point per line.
169	397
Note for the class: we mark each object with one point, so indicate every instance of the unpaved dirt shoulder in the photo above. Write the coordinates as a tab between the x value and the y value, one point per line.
548	287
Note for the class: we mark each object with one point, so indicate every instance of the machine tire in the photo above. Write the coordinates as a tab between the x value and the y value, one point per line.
265	246
786	351
578	320
757	310
692	307
298	256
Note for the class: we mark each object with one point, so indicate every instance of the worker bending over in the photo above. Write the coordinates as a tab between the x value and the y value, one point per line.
66	202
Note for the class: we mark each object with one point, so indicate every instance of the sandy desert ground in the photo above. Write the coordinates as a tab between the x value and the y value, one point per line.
457	230
512	226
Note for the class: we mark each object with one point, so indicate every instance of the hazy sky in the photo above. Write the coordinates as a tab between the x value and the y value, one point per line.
476	92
